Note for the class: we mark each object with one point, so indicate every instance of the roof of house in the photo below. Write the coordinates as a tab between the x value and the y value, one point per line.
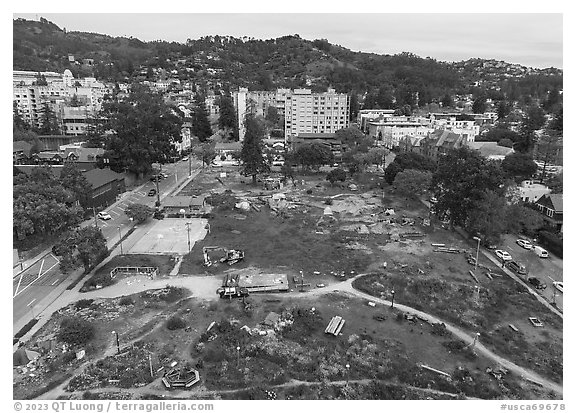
84	154
317	135
553	200
198	200
98	177
21	146
48	155
228	146
178	201
490	149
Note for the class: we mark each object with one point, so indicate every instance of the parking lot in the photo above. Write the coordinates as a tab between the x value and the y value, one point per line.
170	236
547	270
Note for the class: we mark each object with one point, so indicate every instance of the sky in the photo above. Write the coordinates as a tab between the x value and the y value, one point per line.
530	39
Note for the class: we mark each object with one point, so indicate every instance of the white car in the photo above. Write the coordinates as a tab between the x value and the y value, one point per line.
503	255
185	158
104	215
559	285
524	244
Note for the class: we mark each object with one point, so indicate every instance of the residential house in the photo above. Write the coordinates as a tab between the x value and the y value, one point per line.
439	142
491	150
411	144
225	150
106	186
528	191
551	207
20	152
85	158
174	205
47	158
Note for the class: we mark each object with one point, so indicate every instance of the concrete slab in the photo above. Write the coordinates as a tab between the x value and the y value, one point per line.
170	236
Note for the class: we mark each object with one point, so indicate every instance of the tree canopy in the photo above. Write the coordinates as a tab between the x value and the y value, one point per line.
460	181
139	212
253	162
412	182
519	166
200	123
313	155
143	129
408	160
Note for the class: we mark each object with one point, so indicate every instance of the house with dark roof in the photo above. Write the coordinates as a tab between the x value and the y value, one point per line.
21	151
411	144
106	186
551	206
47	158
173	205
439	142
85	158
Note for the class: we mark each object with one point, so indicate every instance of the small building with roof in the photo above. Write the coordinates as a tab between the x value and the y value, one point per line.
106	186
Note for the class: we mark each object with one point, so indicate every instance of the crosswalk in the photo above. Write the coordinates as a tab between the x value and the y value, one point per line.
33	273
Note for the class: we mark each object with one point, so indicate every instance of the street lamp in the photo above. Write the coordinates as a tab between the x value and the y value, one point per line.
347	372
238	363
477	251
117	341
120	235
188	228
392	297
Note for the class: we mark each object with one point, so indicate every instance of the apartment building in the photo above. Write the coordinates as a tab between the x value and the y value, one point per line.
389	131
372	115
57	92
307	112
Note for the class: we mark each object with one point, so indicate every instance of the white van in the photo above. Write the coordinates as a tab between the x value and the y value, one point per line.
541	252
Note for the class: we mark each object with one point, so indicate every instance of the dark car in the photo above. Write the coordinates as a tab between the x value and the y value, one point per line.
517	267
539	285
152	192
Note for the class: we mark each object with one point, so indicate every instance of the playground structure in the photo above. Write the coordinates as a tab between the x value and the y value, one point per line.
152	272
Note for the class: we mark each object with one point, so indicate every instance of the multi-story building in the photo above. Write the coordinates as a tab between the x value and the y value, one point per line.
372	115
307	112
57	91
389	131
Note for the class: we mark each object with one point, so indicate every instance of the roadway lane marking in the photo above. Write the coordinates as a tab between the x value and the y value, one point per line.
30	303
117	213
57	279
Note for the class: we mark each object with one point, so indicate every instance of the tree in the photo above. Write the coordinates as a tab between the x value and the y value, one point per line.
76	331
143	130
498	133
314	155
48	121
205	152
354	105
227	117
555	183
503	109
85	246
460	181
412	182
253	162
507	143
479	105
447	101
519	166
72	179
408	160
520	218
41	205
200	123
337	174
353	138
272	116
18	121
488	217
531	122
139	212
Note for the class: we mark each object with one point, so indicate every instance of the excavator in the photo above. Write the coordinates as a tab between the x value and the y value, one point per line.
230	256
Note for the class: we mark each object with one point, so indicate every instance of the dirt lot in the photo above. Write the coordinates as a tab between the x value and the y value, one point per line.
130	316
383	352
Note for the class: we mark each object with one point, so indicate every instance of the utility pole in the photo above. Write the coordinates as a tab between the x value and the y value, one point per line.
188	228
477	251
117	341
120	235
189	165
150	359
393	292
95	220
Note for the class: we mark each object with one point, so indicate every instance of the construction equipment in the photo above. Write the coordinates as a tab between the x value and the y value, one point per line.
230	256
231	289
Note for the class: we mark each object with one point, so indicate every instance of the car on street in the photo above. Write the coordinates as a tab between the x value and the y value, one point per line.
537	283
503	255
524	244
185	158
163	175
104	215
152	192
559	285
517	267
541	252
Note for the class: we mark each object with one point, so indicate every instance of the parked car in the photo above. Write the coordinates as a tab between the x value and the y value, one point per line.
524	244
163	175
541	252
517	267
559	285
185	158
104	215
537	283
152	192
503	255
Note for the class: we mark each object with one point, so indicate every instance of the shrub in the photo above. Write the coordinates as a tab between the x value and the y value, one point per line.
126	301
26	328
75	331
175	323
80	304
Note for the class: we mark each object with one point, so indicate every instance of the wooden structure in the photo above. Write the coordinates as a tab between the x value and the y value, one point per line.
335	325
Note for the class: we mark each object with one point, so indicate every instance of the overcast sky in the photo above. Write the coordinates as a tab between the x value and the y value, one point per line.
529	39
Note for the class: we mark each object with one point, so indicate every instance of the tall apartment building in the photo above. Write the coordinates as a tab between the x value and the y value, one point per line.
307	112
58	92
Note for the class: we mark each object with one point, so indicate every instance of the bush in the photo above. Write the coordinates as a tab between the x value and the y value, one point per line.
75	331
175	323
552	242
80	304
126	301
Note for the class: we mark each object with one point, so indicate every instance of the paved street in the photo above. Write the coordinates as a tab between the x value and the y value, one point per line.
32	298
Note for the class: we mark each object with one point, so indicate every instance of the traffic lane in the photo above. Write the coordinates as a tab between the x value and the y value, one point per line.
29	299
535	265
541	268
